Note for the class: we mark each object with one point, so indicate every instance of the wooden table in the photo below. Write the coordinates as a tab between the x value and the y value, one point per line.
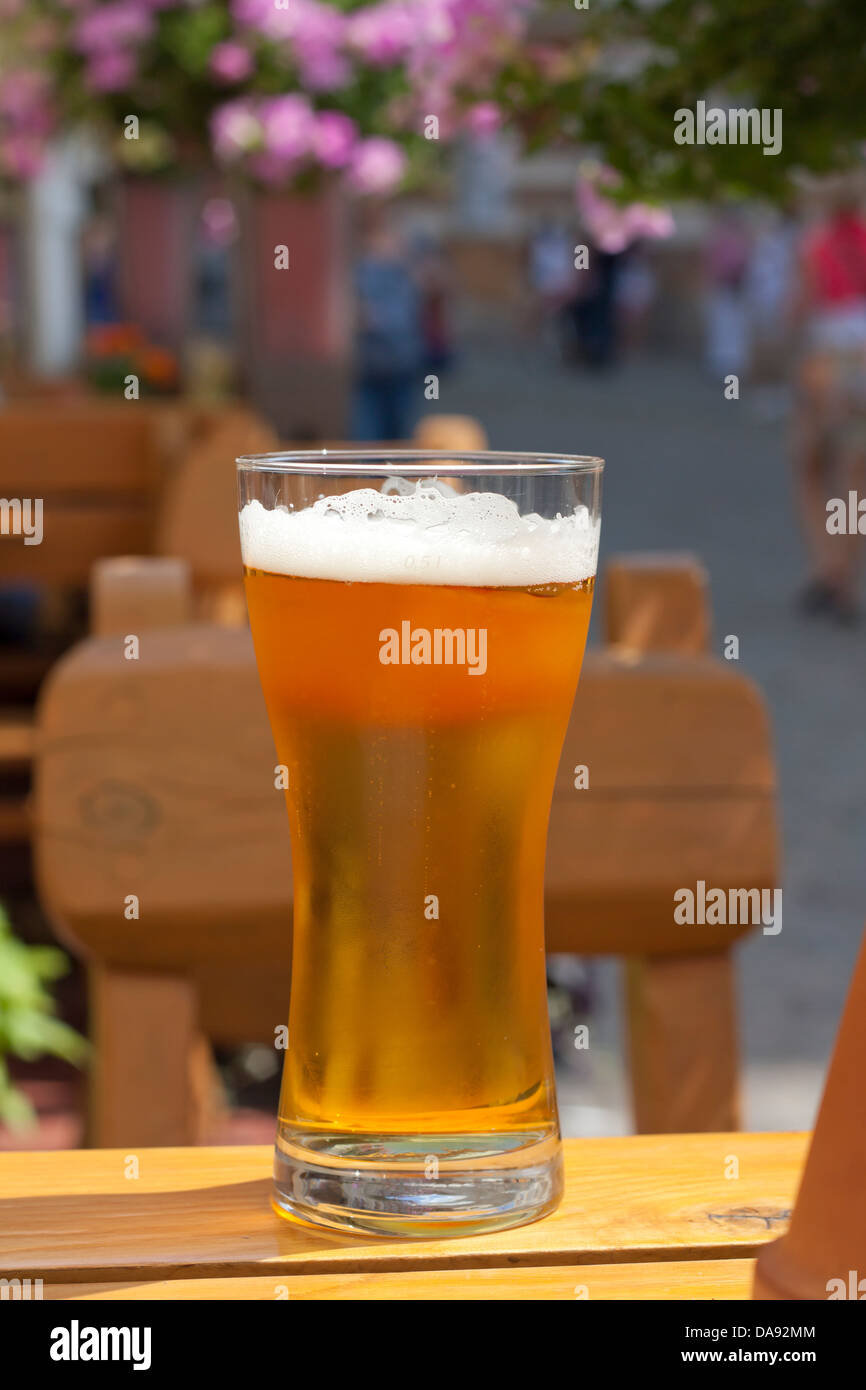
647	1217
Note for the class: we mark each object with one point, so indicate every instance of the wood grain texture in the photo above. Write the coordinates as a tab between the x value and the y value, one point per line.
681	788
656	1280
149	783
682	1042
76	1216
151	1075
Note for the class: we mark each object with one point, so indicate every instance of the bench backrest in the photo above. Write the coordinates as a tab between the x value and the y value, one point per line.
97	469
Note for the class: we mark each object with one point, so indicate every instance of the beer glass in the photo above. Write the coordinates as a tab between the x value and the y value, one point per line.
419	621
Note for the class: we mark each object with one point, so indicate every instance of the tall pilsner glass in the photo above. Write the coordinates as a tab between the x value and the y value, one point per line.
419	622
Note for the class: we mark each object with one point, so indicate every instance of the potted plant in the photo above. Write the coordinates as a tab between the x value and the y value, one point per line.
303	101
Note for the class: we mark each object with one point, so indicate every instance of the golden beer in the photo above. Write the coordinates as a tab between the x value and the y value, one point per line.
421	725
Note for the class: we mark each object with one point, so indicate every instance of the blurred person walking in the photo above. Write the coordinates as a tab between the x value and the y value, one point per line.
770	281
636	291
389	337
727	261
830	418
551	274
436	286
594	308
99	266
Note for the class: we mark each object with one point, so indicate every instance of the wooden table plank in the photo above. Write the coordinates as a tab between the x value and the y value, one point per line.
77	1216
660	1279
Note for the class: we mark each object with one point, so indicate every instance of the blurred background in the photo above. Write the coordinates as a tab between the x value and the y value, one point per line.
233	220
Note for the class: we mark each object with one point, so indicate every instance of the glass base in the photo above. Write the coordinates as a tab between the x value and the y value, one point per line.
422	1187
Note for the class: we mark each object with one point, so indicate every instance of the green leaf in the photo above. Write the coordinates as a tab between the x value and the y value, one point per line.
189	36
29	1027
15	1109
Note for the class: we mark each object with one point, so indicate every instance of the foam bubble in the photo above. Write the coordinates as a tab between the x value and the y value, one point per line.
421	533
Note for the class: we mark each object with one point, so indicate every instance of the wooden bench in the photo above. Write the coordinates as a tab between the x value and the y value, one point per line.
100	469
155	778
656	1217
96	470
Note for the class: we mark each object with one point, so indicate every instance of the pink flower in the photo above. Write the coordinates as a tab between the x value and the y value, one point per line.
287	125
21	155
109	72
317	36
264	16
334	139
484	118
377	165
323	69
447	50
312	33
27	112
231	62
301	22
235	128
383	33
116	25
644	220
23	91
614	226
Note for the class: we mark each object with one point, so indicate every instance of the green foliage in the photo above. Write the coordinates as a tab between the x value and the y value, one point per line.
626	67
189	37
28	1026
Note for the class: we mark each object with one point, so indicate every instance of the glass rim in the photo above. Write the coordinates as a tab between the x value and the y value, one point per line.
416	463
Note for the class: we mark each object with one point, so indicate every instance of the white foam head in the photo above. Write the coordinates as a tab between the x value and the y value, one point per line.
424	534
